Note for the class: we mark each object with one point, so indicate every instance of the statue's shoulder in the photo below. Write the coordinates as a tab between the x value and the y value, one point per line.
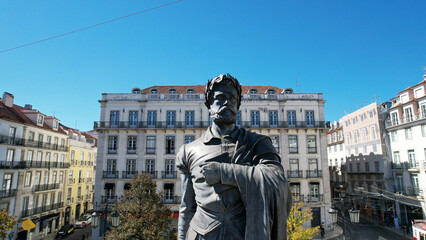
250	137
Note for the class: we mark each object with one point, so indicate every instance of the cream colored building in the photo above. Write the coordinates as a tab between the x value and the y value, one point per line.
33	166
141	131
406	127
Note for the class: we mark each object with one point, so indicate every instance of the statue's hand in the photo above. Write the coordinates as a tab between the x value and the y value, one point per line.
211	172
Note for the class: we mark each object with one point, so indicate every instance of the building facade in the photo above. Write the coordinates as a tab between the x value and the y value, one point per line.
34	152
337	159
141	131
406	127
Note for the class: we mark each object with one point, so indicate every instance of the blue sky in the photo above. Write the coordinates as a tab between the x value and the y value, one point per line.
351	51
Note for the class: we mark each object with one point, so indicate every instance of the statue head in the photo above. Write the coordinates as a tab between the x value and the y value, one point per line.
223	98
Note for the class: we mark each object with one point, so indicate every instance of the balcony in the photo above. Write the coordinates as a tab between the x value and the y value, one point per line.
298	198
109	199
129	174
413	191
12	164
153	173
11	140
413	164
315	198
168	174
70	200
45	187
89	179
81	180
313	173
71	180
30	212
401	121
110	174
7	193
205	124
171	199
294	173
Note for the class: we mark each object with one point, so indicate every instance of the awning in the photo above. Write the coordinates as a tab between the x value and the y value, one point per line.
169	186
28	224
109	185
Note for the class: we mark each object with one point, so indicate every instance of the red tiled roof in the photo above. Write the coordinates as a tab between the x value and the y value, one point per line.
200	88
16	114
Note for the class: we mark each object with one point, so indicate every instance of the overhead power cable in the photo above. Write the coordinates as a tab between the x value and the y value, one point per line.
91	26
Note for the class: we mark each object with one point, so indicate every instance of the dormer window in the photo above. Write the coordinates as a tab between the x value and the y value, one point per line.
288	91
270	91
253	91
154	91
40	119
136	90
190	91
172	91
55	124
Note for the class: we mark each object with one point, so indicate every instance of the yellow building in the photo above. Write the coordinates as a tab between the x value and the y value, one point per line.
79	180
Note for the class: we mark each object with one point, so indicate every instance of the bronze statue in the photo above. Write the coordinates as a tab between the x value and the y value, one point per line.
233	184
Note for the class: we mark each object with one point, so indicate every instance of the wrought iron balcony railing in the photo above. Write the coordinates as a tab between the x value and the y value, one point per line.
168	174
205	124
313	173
294	173
110	174
7	193
109	199
405	120
315	198
298	197
30	212
129	174
45	187
153	173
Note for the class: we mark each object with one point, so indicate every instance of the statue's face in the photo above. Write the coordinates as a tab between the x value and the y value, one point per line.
223	104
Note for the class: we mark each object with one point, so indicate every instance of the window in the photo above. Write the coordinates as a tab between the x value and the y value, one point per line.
294	168
341	147
273	118
7	182
310	120
329	139
69	195
276	142
254	119
31	136
133	119
171	119
412	159
295	190
170	168
358	167
131	144
292	144
367	167
25	203
408	134
150	144
40	140
396	157
168	193
334	137
408	115
394	136
12	134
348	138
189	119
114	118
150	166
28	179
394	118
376	166
354	120
39	156
355	136
313	168
340	135
314	192
131	166
364	134
112	144
152	119
291	118
9	157
423	110
423	130
54	176
172	93
350	167
373	132
70	176
190	91
72	157
312	144
61	177
362	117
40	119
111	165
55	124
189	139
170	145
81	158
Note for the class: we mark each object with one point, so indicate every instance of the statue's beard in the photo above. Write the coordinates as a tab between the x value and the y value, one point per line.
224	116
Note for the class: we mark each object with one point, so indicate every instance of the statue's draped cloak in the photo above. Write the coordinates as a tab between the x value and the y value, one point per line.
257	172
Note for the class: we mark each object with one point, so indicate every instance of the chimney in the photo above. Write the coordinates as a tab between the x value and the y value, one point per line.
28	106
7	99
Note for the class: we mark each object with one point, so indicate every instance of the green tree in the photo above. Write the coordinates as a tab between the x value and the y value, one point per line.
298	216
6	223
143	215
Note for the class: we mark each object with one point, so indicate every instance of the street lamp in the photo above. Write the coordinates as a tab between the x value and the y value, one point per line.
95	219
354	215
344	204
333	215
115	219
97	214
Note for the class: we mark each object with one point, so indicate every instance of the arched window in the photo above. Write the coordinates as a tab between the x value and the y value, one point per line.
253	91
172	91
190	91
136	90
288	90
154	91
270	91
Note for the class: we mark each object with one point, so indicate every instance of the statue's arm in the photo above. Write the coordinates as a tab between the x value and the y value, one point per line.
188	205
